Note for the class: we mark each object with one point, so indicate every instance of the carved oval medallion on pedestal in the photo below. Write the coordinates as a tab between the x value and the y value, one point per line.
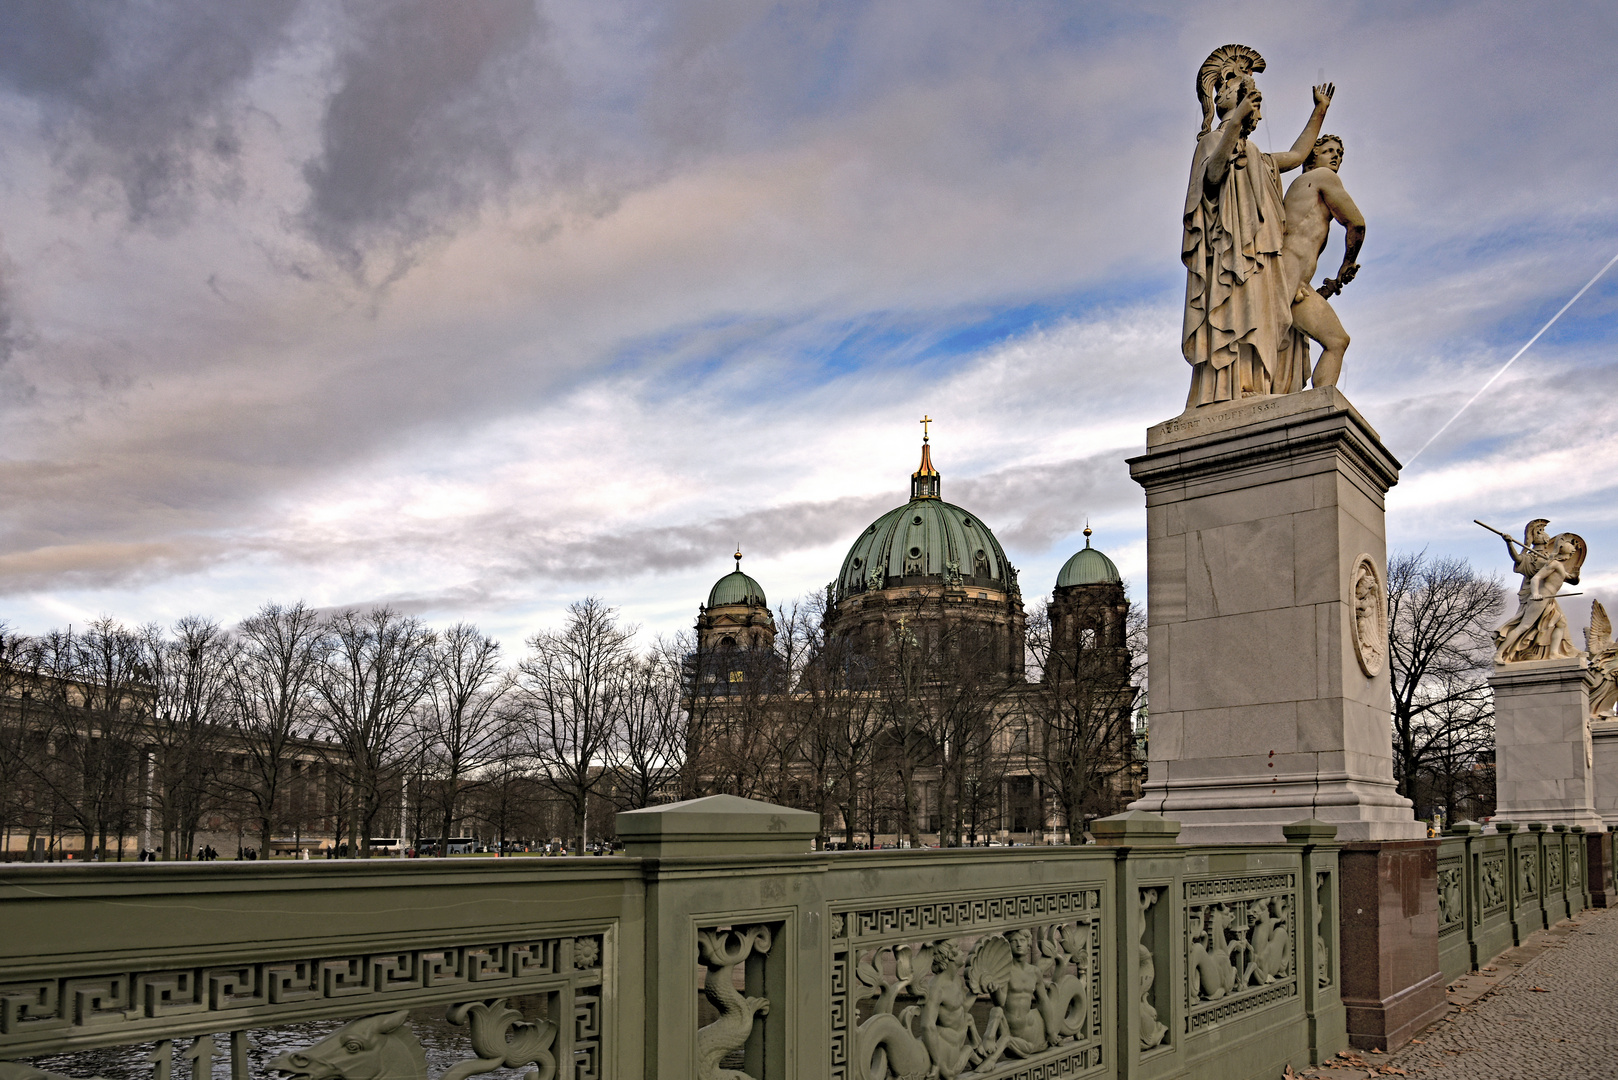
1370	626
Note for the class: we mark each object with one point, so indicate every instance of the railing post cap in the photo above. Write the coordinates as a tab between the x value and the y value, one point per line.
1309	831
1536	826
1558	827
1507	827
1464	827
1134	827
717	825
1575	828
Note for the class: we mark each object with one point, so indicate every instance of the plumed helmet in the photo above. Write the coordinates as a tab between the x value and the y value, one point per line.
1223	62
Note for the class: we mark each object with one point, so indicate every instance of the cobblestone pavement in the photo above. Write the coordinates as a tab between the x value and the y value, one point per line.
1548	1009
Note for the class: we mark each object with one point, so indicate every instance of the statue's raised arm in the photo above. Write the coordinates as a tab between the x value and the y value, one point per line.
1305	143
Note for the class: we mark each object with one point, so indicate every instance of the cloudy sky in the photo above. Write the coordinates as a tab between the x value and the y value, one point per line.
479	308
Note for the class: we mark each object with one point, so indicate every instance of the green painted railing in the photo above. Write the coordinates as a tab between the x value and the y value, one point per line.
1494	890
718	943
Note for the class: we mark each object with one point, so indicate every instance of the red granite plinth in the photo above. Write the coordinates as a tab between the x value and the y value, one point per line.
1598	858
1392	986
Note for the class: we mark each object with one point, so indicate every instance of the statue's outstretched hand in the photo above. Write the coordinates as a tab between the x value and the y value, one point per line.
1346	274
1323	94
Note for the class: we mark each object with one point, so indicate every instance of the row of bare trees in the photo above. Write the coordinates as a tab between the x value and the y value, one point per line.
350	722
296	720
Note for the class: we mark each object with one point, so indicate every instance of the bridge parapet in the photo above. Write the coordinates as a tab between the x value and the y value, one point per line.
721	947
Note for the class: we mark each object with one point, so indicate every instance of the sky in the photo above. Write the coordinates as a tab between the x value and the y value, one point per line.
477	309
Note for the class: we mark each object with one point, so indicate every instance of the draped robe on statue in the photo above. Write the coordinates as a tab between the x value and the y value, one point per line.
1238	335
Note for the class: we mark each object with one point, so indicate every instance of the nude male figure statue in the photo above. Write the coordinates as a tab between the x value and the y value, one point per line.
1312	202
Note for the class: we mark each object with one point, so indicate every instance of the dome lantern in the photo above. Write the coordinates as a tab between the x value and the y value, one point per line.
924	482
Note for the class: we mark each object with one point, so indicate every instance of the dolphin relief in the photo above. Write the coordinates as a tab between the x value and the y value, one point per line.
383	1047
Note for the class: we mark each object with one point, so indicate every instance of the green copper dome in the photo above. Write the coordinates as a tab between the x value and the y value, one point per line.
925	538
737	588
1087	567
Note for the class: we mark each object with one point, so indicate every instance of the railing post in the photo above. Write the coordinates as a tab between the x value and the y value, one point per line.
1318	937
1537	835
1465	834
1151	963
731	885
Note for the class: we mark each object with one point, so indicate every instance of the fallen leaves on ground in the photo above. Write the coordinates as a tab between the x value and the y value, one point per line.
1538	990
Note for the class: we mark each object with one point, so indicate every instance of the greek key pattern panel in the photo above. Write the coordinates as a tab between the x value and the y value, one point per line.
148	1003
961	916
997	987
1240	945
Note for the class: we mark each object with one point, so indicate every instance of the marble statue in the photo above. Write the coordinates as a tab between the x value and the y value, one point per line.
1603	674
1314	200
1539	629
1237	335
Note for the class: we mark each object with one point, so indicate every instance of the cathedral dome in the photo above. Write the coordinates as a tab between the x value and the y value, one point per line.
925	538
737	588
1087	567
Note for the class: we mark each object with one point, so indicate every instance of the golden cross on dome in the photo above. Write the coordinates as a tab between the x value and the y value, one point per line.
925	420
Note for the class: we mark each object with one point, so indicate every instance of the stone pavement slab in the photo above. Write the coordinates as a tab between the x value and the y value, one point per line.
1545	1009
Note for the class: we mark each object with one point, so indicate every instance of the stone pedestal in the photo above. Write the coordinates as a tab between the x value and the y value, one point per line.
1544	755
1263	711
1392	986
1604	753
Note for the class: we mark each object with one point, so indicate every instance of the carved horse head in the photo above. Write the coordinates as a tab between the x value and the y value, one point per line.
370	1048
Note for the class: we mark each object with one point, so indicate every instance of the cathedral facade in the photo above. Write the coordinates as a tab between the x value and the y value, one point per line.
920	703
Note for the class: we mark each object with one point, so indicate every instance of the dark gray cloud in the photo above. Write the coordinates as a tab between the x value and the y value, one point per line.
139	93
424	122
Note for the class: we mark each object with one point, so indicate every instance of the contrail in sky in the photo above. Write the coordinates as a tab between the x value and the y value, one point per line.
1513	360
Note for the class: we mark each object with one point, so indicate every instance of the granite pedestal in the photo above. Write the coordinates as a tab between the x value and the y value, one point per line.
1544	754
1604	753
1392	985
1258	513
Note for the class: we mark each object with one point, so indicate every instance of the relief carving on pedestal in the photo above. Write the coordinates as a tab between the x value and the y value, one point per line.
1152	1030
721	951
1529	869
1370	629
1494	882
957	990
1451	902
1240	953
1322	950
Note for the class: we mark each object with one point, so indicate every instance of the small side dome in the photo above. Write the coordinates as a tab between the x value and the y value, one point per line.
736	588
1088	567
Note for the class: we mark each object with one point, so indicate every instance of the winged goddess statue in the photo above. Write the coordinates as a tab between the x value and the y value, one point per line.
1603	674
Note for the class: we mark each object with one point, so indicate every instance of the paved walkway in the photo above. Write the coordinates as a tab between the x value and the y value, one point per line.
1547	1009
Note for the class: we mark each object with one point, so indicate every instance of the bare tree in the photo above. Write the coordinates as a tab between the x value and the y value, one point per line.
645	751
462	723
1074	729
568	700
1441	616
272	684
191	677
374	673
97	701
20	734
